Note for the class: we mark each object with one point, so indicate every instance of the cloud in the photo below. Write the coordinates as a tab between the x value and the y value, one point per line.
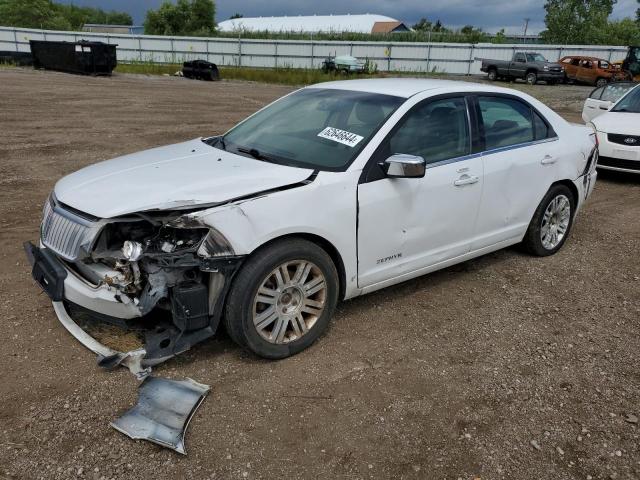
491	15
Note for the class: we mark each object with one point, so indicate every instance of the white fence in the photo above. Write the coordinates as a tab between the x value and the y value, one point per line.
457	58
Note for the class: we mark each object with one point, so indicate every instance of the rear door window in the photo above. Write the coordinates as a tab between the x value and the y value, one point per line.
506	121
614	92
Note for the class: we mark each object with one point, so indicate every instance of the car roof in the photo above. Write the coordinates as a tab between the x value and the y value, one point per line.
584	57
407	87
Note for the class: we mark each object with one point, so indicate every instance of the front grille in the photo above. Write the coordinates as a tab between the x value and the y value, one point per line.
628	140
64	232
619	163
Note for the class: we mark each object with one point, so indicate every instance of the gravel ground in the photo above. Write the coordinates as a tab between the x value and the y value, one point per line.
506	366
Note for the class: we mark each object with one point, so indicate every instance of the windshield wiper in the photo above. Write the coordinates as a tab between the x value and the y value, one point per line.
255	153
221	142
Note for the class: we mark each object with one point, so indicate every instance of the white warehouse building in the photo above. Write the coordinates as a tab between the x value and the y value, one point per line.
367	23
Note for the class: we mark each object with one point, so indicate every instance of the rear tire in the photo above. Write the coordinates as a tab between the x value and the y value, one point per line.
492	75
282	299
551	222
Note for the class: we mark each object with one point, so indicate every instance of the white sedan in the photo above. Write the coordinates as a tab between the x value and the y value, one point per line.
614	113
333	191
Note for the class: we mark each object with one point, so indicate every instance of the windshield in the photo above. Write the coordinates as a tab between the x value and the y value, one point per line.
323	129
629	103
535	57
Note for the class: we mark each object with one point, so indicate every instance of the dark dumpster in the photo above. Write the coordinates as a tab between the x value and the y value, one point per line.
84	57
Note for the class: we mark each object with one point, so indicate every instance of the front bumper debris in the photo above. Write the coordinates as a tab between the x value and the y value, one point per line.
163	411
107	357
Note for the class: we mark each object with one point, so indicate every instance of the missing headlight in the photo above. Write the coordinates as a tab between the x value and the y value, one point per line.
215	245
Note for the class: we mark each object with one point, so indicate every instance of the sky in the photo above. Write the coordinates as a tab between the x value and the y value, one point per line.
490	15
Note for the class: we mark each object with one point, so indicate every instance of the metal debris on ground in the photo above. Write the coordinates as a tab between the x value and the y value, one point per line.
163	411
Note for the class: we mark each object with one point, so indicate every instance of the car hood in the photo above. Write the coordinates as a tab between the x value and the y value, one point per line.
176	176
623	123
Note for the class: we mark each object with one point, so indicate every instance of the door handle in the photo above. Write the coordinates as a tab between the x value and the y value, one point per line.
604	108
466	180
548	160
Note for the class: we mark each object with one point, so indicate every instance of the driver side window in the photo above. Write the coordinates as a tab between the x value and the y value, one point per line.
435	131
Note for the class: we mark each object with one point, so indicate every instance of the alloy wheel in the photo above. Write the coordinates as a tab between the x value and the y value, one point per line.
555	222
289	302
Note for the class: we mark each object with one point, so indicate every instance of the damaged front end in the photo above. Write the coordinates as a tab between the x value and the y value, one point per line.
160	276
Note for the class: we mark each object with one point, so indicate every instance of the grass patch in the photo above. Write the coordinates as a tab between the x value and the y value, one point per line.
148	68
282	76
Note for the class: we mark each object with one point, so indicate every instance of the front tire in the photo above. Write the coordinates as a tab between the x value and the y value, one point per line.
601	82
282	299
551	222
531	78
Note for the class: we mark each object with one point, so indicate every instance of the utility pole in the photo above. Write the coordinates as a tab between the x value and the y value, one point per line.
526	26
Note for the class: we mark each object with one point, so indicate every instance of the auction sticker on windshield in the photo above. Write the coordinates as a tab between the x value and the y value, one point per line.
341	136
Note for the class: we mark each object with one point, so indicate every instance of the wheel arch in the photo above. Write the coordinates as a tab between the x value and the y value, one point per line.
321	242
571	186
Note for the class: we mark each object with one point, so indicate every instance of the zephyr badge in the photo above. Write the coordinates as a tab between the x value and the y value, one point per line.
630	140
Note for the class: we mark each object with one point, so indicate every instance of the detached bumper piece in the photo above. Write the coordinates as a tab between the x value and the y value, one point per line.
47	271
107	357
163	411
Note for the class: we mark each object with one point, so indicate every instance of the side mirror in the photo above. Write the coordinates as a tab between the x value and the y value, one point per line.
401	165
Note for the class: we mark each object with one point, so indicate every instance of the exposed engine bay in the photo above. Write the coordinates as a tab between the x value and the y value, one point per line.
163	275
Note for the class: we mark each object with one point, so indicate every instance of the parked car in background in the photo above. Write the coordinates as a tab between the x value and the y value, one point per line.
590	70
343	64
334	191
530	66
603	98
618	133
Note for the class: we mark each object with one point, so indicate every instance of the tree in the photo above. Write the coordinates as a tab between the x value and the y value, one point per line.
55	16
32	14
239	15
576	21
438	27
622	32
423	25
499	37
638	14
186	17
78	16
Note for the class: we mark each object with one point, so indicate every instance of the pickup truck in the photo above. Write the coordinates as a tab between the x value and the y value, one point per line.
529	66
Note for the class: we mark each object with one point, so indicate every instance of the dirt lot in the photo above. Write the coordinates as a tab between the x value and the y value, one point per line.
503	367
